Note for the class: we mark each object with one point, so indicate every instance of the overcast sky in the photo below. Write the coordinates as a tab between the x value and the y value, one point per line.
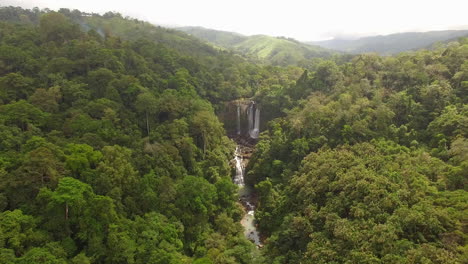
300	19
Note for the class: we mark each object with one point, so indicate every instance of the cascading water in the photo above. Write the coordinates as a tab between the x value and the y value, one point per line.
238	119
243	135
250	117
239	178
253	115
248	221
246	198
256	129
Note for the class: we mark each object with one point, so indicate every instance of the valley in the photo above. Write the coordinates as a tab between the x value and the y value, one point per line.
127	142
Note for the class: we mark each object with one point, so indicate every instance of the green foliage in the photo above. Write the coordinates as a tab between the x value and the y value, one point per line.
111	150
78	181
14	86
368	201
57	28
354	170
18	231
275	51
40	255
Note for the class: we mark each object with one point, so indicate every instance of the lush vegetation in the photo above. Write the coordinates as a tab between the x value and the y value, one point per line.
111	151
393	43
370	164
260	48
223	39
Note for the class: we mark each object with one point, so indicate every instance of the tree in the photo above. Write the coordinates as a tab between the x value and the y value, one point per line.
436	96
18	231
207	129
451	122
80	158
73	211
46	100
56	27
40	256
195	204
15	86
459	156
116	176
22	114
14	59
70	193
328	75
121	246
40	168
7	256
146	102
158	239
99	82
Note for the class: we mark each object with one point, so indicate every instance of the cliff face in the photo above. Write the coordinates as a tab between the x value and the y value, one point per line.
241	119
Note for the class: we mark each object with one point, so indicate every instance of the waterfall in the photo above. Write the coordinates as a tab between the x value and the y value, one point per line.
254	120
256	129
250	117
238	119
247	128
239	178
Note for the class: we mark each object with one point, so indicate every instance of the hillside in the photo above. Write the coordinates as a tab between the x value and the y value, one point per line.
220	38
393	43
110	148
114	24
279	51
273	50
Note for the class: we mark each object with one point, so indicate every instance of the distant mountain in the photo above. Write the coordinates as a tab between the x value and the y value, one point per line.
391	44
274	50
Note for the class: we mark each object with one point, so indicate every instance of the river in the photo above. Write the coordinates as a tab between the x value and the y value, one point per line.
246	193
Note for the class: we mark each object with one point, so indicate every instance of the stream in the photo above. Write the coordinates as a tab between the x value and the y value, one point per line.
242	122
246	194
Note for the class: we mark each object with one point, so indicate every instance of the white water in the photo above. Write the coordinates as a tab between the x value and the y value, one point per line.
248	221
238	119
239	178
253	119
253	115
250	117
256	129
245	194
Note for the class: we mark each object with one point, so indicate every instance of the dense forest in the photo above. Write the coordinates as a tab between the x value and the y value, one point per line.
111	149
370	163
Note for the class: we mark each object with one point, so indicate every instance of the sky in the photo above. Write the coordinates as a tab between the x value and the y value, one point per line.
300	19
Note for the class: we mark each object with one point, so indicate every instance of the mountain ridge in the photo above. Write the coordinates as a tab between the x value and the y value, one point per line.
273	50
391	43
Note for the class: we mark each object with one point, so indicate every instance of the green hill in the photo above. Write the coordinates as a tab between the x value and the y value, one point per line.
279	51
220	38
273	50
115	24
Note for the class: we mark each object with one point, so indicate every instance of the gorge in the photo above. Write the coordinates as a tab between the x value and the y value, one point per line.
144	145
247	129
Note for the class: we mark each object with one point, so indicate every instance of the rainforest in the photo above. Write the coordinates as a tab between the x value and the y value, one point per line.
126	142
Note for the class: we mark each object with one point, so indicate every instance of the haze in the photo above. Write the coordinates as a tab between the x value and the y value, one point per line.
302	20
